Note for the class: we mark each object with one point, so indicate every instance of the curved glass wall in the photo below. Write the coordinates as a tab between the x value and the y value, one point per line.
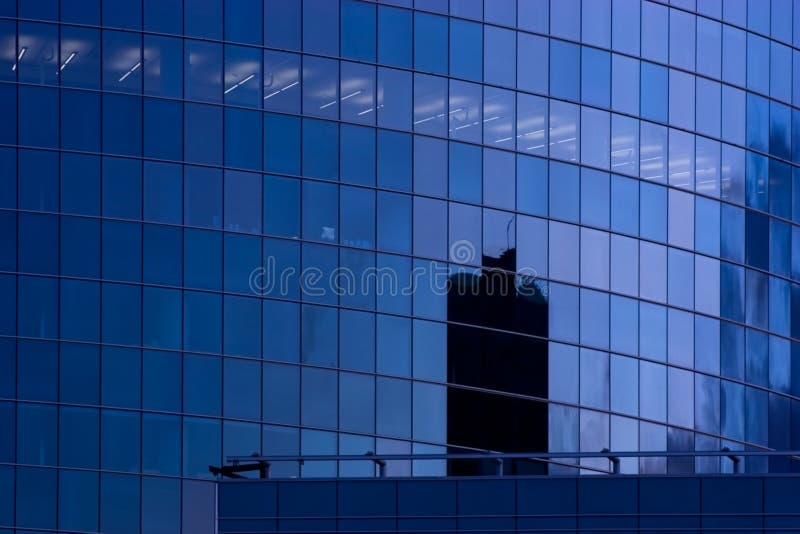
319	227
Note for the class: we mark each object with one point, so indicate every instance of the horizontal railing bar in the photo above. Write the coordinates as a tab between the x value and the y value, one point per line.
793	454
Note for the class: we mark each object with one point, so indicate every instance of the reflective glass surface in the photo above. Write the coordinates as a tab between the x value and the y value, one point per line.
319	226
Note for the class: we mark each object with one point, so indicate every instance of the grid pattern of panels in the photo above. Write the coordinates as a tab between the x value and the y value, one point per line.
185	186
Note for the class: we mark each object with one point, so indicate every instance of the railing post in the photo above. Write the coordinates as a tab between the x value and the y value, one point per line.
380	463
734	459
614	461
498	466
264	470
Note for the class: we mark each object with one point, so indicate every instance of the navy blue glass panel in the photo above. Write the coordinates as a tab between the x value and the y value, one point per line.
281	144
202	317
122	188
607	496
163	129
202	385
80	120
733	500
394	160
79	373
38	110
662	499
428	505
202	141
163	15
36	500
80	437
430	43
358	30
80	184
119	503
282	24
394	36
299	503
78	494
161	380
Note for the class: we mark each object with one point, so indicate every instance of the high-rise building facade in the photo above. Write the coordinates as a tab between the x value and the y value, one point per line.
331	227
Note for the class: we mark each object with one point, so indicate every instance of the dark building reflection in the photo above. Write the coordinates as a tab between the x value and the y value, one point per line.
491	359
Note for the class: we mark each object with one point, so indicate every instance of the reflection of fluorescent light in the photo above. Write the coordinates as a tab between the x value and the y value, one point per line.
281	90
19	57
456	110
534	147
234	86
491	119
133	69
328	104
503	140
66	61
424	120
351	95
365	111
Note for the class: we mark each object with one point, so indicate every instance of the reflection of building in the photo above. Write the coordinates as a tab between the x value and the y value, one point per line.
498	358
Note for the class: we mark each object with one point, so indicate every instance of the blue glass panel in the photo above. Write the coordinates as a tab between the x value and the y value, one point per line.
281	81
78	494
654	92
394	36
499	43
79	444
281	144
466	45
282	24
565	70
202	316
430	43
120	433
595	77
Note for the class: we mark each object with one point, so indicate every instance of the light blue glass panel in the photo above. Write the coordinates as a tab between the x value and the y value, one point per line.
532	124
653	152
564	131
594	379
595	141
466	106
499	118
624	265
533	66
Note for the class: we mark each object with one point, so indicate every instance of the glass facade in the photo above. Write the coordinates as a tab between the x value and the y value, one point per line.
318	227
747	504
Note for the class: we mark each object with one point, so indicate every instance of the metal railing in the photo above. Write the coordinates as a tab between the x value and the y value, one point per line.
263	464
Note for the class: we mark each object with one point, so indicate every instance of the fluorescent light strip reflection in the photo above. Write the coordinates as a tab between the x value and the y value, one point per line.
281	90
19	57
234	86
68	60
133	69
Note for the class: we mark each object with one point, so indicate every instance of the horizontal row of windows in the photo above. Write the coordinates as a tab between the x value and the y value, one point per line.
360	155
316	273
86	501
175	445
285	25
361	217
399	38
209	72
389	344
